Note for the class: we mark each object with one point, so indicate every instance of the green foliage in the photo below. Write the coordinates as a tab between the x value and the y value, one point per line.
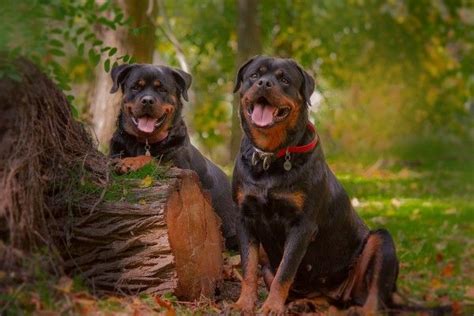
53	32
206	30
386	69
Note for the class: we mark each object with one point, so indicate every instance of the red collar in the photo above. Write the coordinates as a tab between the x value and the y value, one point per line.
300	149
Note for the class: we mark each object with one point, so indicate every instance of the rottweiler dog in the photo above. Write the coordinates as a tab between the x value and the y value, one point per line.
150	125
296	220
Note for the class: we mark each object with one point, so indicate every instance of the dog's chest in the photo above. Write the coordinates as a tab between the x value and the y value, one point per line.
270	204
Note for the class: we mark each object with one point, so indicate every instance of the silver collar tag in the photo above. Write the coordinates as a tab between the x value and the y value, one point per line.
147	148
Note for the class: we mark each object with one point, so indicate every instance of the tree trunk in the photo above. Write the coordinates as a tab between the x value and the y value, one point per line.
105	106
249	44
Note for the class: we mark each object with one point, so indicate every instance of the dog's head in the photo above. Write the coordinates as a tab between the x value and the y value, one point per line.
274	94
151	98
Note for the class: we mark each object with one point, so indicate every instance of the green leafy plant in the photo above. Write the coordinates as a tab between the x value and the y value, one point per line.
48	32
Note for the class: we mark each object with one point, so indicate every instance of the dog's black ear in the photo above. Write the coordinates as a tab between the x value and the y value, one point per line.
119	74
307	87
240	73
183	79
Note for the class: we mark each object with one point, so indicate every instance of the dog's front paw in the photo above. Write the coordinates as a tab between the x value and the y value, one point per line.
131	164
273	307
245	305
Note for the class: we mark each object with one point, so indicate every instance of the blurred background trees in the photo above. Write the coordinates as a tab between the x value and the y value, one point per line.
390	73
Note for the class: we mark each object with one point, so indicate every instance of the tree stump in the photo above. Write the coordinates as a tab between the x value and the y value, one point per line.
164	237
167	241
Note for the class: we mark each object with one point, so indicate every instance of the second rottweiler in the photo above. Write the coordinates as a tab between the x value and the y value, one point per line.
150	125
295	215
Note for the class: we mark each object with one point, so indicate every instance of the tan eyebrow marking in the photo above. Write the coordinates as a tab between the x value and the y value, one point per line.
141	82
157	83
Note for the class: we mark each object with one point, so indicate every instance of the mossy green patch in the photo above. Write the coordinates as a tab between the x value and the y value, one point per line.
120	187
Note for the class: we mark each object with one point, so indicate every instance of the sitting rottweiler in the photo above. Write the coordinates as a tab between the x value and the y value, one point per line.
296	219
150	125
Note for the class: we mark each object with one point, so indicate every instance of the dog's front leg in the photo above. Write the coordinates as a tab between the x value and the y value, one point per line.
294	251
249	248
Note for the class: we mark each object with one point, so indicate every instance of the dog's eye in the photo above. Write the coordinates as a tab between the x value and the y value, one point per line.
284	80
254	76
136	87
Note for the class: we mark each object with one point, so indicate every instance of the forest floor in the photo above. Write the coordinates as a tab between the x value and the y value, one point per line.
427	205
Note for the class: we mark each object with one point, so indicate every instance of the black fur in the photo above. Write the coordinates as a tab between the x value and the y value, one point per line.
314	247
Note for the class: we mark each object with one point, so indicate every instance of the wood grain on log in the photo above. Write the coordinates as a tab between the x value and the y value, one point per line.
168	241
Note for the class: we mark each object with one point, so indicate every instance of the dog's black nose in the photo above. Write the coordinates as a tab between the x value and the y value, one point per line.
147	100
265	83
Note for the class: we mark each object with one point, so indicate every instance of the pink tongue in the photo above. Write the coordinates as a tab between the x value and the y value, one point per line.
262	115
146	124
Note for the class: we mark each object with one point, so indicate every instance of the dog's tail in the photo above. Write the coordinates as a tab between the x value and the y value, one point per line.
402	305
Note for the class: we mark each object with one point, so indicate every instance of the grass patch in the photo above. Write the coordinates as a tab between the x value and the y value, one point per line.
120	186
429	209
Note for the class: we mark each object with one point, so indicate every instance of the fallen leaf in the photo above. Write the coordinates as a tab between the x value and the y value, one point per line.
440	246
146	182
64	284
170	311
85	306
396	202
436	284
379	220
234	260
35	300
355	202
457	308
450	211
448	270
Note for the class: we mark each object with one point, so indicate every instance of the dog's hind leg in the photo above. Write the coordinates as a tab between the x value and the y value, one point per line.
375	275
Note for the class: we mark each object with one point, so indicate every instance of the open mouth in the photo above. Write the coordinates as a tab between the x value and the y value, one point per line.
148	124
265	114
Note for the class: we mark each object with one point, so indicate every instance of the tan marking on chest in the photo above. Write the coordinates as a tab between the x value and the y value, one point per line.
244	192
296	198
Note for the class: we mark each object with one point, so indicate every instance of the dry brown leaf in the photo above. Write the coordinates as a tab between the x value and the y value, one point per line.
457	308
170	311
448	270
85	306
64	284
35	300
436	283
